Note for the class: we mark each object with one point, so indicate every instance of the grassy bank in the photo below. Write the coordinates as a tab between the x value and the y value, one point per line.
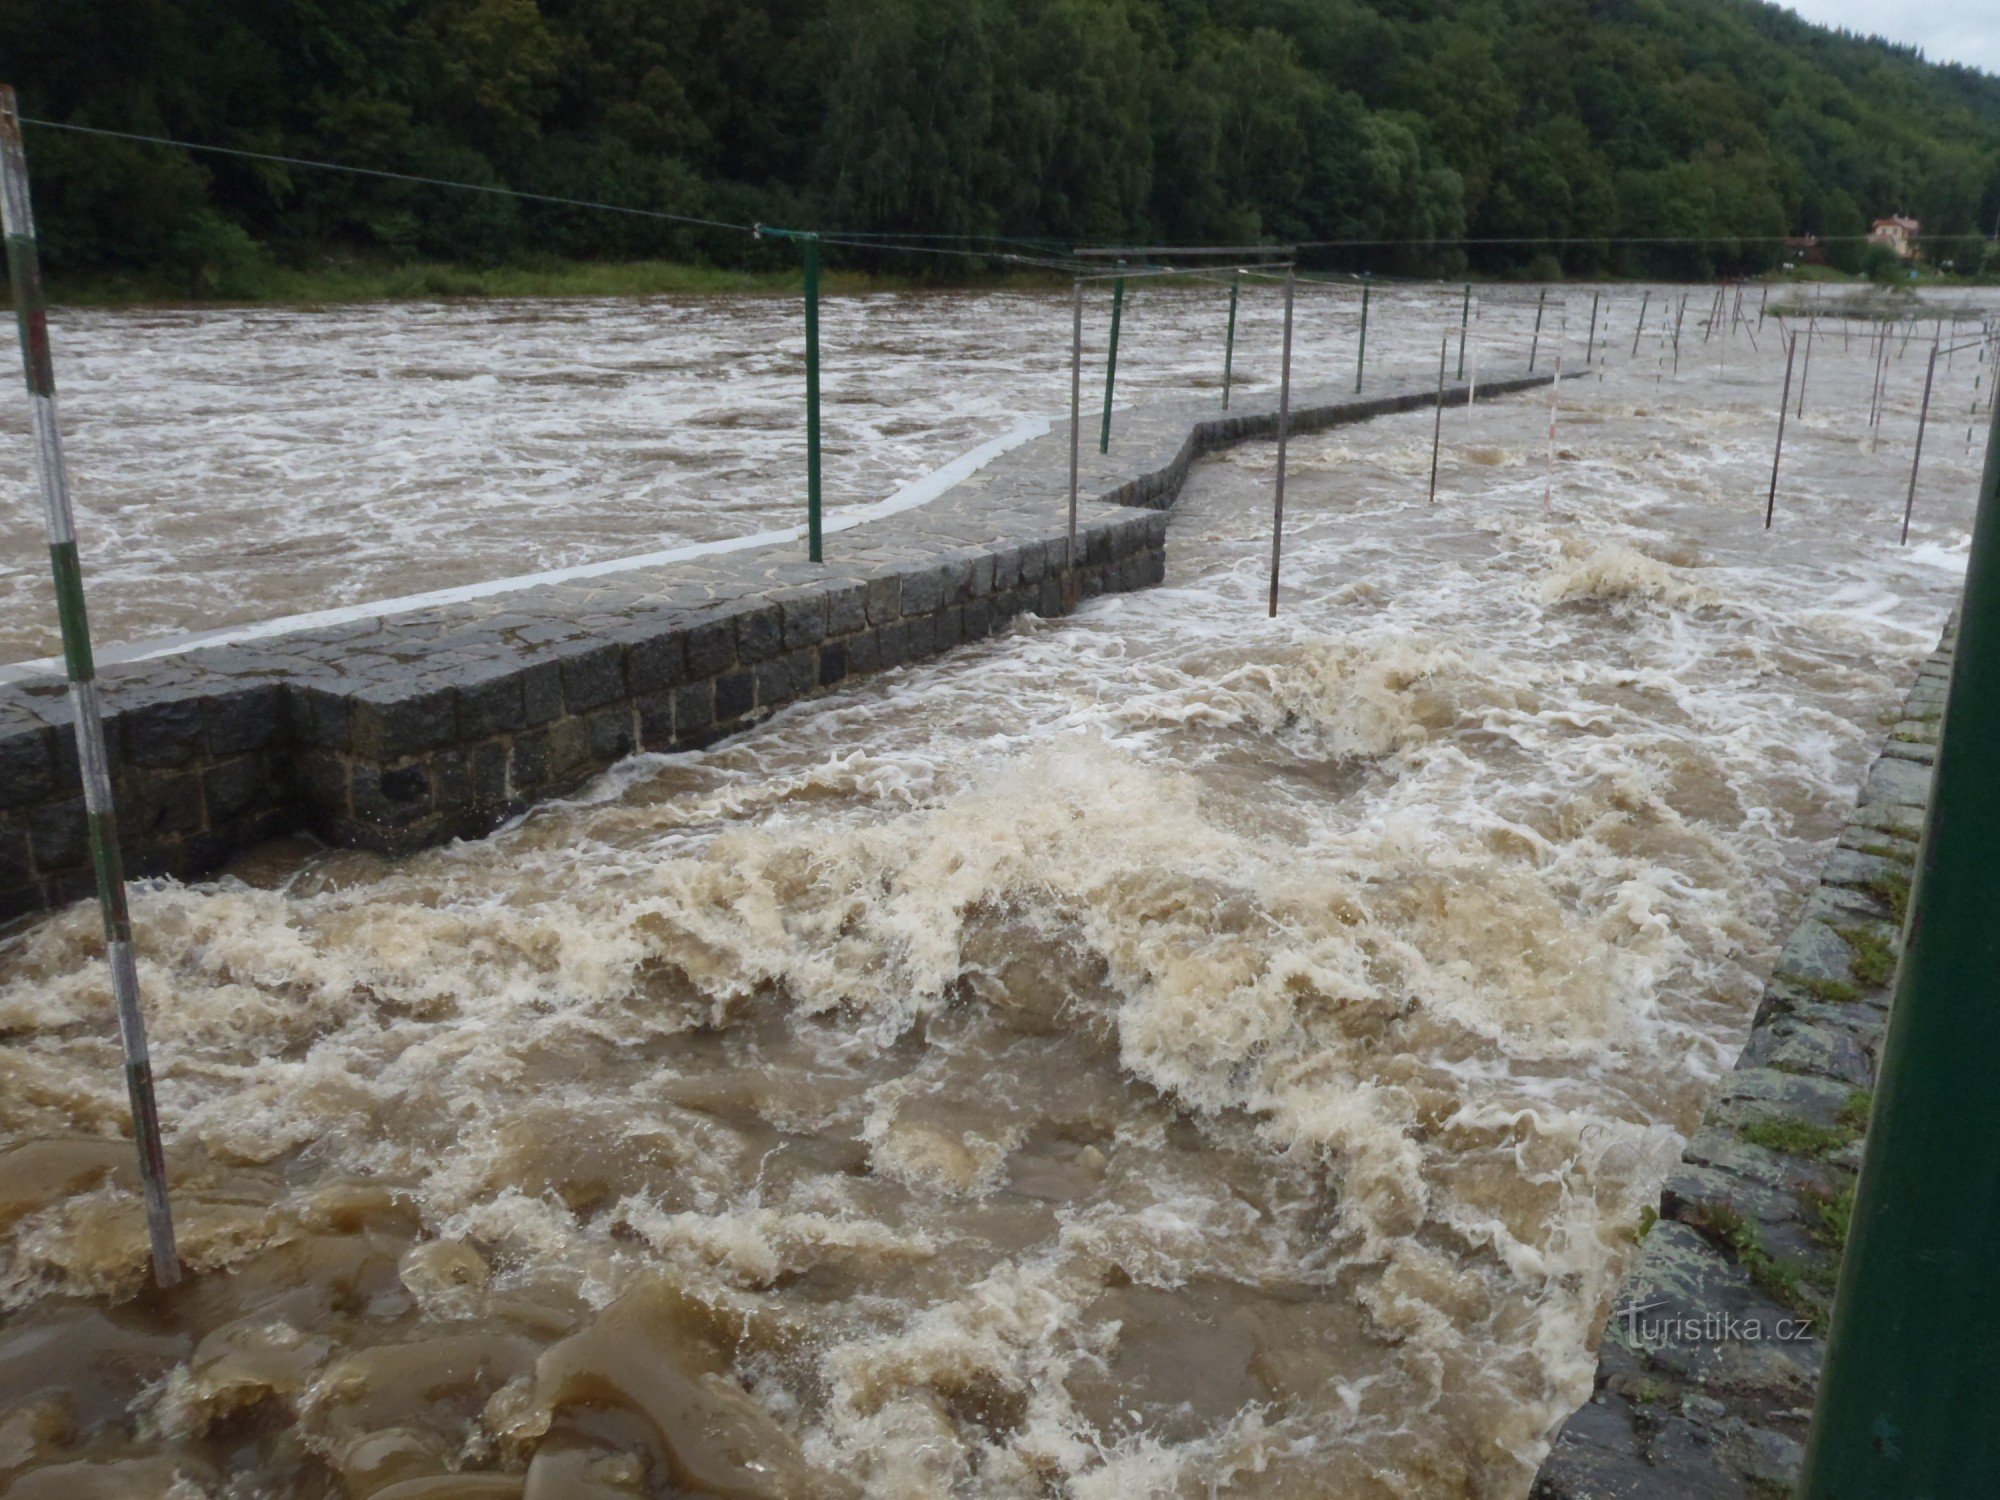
361	282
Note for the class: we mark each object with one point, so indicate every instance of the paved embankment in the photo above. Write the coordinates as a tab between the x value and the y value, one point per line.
419	725
1711	1358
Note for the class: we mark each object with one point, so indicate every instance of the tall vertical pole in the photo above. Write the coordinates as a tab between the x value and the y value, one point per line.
1229	346
1923	418
1555	400
1910	1389
1437	424
1464	324
813	548
1763	303
1361	358
1111	362
24	268
1590	346
1784	408
1535	348
1284	437
1644	300
1680	318
1076	429
1805	370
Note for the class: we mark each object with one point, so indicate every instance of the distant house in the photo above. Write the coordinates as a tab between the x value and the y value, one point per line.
1898	233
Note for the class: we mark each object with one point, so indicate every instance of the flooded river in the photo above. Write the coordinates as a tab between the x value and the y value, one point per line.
1159	1052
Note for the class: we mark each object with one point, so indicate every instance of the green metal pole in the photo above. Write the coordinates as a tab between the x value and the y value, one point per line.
1361	359
1590	348
30	312
1535	348
1111	362
1464	327
1909	1405
1229	349
813	549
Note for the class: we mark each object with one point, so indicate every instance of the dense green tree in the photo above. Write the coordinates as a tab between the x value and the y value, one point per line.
1681	137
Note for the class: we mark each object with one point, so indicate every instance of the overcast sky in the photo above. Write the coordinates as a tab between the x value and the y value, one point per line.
1964	31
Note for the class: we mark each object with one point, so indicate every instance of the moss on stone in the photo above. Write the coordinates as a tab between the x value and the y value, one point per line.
1791	1136
1893	887
1829	991
1874	961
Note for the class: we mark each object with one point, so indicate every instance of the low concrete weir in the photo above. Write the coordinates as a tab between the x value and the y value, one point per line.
421	724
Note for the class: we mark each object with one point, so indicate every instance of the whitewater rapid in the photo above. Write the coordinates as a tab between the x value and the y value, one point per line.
1161	1051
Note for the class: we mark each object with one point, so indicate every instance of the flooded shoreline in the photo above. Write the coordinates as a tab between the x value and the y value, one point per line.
1162	1051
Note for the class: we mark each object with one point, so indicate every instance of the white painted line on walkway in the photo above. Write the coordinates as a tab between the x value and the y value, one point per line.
909	497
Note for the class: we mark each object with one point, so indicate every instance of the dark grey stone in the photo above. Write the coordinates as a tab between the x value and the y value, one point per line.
947	628
924	590
735	695
160	807
656	664
528	763
59	833
451	781
404	718
489	774
846	610
832	663
789	677
569	750
247	719
694	710
164	733
392	797
864	653
760	634
319	716
492	707
541	693
321	779
593	678
711	648
17	866
611	736
27	767
885	600
655	713
805	621
236	787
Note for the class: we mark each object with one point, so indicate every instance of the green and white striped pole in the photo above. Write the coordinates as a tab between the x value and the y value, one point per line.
1535	348
31	314
1229	347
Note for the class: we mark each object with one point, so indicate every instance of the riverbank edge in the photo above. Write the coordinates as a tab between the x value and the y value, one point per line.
401	731
1712	1353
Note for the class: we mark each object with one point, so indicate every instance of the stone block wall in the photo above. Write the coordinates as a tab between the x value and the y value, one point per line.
418	752
408	729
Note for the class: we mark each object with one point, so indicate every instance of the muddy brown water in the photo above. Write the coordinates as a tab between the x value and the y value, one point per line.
1161	1052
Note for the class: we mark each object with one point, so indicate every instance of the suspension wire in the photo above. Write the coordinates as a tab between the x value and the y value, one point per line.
410	177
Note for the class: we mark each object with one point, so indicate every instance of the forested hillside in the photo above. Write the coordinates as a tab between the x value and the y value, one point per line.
1565	127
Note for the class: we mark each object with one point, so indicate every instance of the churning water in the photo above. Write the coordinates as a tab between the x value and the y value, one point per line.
1158	1052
